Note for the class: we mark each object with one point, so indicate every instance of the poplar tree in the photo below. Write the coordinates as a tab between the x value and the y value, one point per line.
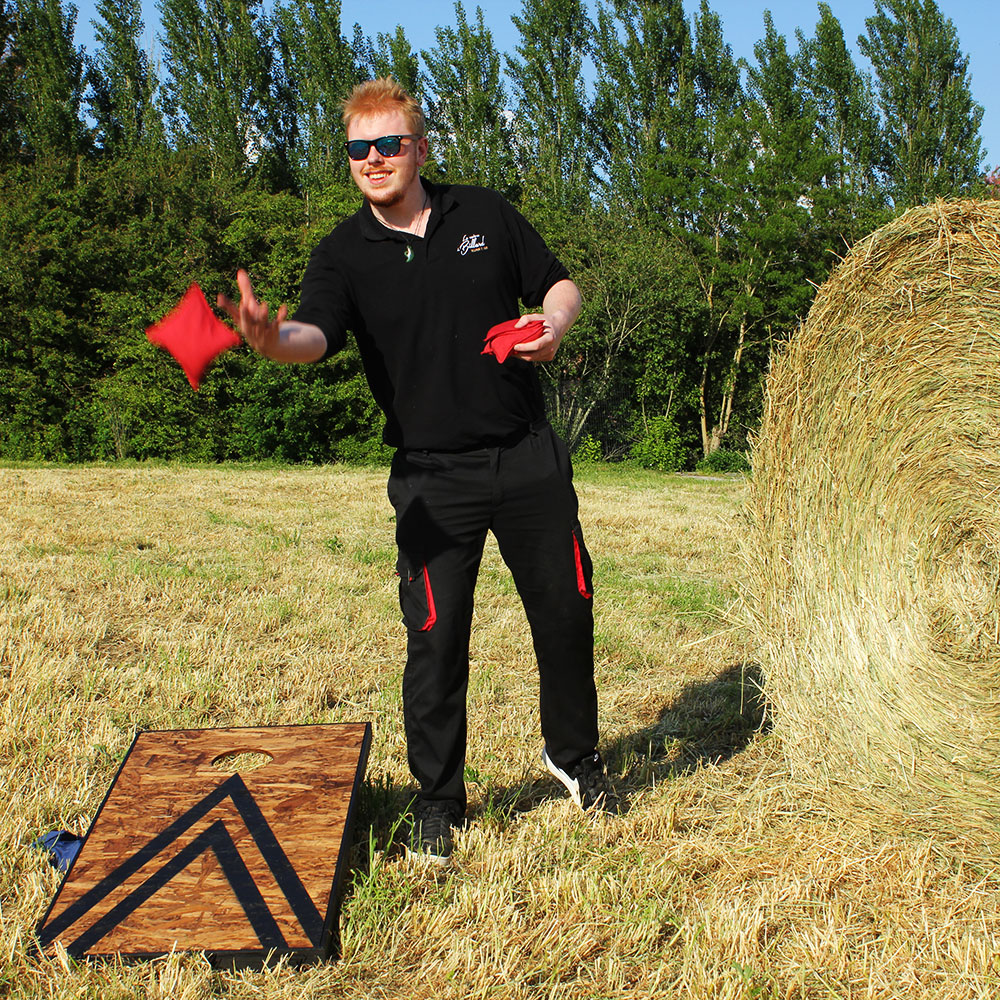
643	56
846	117
10	70
930	120
469	119
48	87
547	79
390	55
786	224
318	71
707	184
123	84
218	93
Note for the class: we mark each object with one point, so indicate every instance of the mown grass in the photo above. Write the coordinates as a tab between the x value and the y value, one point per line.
143	597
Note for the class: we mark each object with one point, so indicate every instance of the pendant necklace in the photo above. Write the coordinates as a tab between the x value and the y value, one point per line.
419	230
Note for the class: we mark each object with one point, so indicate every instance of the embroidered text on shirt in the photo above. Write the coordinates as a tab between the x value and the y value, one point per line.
472	244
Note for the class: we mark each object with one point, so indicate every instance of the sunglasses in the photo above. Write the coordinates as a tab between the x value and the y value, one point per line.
387	145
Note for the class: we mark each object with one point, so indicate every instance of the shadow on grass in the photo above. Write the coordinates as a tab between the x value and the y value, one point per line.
707	723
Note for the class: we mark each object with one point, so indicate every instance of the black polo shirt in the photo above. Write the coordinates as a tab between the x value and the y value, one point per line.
420	309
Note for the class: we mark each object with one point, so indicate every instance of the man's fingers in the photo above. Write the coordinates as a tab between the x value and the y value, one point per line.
229	306
246	289
251	317
539	343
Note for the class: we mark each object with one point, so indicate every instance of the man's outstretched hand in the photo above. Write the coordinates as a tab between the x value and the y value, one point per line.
277	338
252	318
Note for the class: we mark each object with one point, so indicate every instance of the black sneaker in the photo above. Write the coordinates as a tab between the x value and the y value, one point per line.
432	827
587	782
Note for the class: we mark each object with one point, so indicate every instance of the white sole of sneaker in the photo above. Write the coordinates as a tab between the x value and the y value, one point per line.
428	860
572	785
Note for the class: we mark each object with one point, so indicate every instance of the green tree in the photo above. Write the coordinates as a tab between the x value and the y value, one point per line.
49	83
643	57
218	94
10	71
318	71
548	84
788	222
846	116
469	123
624	358
390	55
704	180
930	121
123	84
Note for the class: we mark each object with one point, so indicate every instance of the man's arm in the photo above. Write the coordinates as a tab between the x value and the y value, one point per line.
278	339
560	308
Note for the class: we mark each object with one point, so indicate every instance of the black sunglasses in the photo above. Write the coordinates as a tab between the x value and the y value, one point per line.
387	145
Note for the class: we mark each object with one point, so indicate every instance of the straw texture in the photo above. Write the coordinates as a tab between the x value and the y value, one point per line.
873	552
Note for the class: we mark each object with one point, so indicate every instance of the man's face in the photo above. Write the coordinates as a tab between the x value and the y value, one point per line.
385	180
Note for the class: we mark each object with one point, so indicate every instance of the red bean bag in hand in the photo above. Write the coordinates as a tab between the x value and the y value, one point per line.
500	339
193	334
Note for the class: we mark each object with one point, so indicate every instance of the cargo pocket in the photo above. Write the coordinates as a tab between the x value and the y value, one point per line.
584	567
416	598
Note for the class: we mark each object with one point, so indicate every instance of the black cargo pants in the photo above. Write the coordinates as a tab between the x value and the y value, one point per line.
445	503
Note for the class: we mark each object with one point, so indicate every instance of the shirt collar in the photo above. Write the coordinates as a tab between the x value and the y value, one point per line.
442	202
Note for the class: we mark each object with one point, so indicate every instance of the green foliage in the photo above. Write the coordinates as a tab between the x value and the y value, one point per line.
311	413
931	123
317	71
588	449
697	202
11	69
846	119
219	56
83	382
472	138
661	446
724	460
643	58
48	81
122	82
390	55
547	79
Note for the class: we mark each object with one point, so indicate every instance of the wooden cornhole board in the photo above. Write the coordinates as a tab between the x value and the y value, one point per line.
185	856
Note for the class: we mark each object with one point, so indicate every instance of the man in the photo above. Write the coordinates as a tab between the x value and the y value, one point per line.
419	275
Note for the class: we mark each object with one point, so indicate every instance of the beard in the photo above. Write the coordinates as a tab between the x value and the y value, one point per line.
393	194
386	199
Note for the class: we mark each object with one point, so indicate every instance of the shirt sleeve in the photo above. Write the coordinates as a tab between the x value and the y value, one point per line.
326	299
539	267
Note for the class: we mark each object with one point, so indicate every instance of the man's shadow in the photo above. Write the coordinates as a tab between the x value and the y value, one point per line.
708	722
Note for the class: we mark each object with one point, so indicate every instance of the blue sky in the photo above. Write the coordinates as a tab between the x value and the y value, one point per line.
975	20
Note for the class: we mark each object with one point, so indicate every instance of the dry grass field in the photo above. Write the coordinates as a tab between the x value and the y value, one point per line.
169	597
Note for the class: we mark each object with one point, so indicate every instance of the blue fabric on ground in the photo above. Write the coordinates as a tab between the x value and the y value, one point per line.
62	847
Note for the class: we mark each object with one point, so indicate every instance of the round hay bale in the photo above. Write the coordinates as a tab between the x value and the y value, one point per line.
873	552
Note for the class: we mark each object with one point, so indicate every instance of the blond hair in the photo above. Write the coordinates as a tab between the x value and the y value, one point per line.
374	97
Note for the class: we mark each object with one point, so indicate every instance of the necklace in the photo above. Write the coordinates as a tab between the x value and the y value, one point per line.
418	230
414	229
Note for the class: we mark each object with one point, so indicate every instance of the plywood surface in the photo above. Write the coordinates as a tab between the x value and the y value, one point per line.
184	855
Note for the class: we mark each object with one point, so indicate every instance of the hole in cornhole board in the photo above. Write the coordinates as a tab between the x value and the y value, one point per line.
243	863
242	761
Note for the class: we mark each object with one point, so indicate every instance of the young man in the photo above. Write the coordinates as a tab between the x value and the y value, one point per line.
419	275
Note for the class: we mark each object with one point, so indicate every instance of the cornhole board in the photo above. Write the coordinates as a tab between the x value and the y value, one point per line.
186	854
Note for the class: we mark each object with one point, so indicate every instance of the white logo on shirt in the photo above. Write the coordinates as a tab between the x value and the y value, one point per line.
472	244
